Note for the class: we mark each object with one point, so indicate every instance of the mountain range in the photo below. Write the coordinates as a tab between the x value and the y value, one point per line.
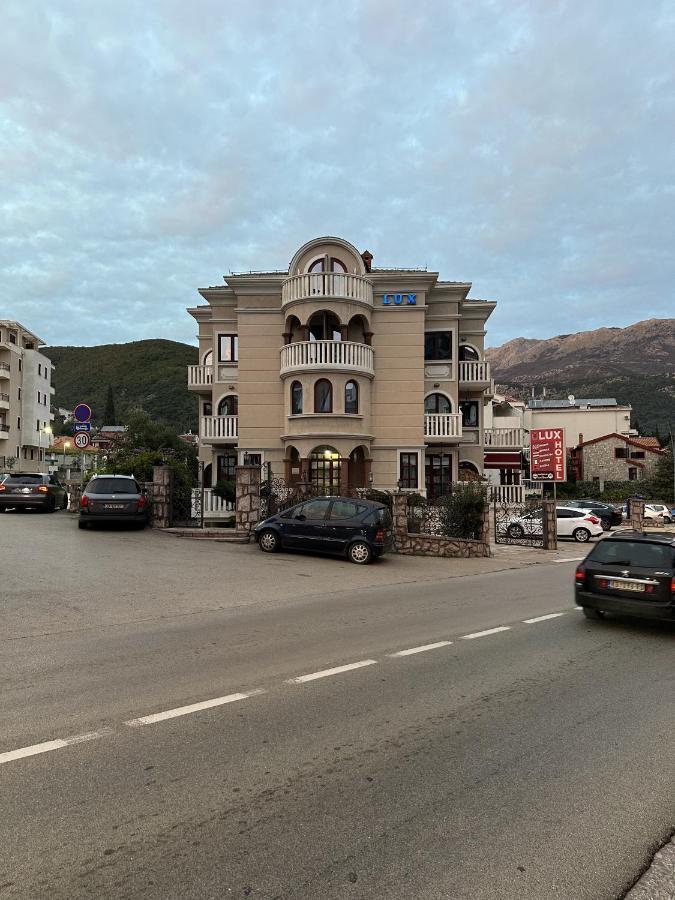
635	365
150	375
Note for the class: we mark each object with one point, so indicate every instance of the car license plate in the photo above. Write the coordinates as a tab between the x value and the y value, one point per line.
626	586
113	506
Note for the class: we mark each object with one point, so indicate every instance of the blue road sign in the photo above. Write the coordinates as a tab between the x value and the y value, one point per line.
83	426
82	412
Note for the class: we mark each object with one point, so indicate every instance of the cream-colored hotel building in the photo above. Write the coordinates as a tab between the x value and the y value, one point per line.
342	374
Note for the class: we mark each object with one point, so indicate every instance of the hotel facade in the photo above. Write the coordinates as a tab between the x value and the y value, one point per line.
342	374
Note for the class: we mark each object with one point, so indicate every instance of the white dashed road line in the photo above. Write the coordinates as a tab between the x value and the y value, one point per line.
422	649
542	618
326	673
46	746
192	708
570	559
479	634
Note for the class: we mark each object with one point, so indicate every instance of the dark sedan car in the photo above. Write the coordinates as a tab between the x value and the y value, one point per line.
632	573
355	528
32	490
113	498
609	515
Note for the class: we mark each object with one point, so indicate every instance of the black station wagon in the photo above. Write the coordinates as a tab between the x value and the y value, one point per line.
631	573
355	528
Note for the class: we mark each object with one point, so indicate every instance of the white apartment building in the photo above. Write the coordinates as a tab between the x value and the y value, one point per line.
25	399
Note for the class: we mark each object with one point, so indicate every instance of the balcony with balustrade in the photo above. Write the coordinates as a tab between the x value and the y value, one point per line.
475	374
444	428
4	370
4	431
219	429
504	438
328	285
4	401
328	356
200	378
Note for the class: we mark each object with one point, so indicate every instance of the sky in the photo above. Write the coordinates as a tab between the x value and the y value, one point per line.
146	149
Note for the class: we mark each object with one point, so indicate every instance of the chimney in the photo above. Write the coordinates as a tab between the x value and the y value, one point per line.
367	258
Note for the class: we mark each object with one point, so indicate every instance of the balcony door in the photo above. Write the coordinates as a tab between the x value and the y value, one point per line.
325	467
438	474
327	277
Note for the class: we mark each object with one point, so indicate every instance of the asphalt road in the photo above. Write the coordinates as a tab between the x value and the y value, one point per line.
534	761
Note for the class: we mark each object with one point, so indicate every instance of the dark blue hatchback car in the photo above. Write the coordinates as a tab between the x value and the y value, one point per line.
355	528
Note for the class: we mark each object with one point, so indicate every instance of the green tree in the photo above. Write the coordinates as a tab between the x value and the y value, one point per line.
661	483
109	416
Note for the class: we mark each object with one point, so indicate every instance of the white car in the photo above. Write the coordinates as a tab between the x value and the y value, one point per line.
579	524
656	511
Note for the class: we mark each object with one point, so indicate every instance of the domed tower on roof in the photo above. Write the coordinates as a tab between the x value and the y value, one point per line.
327	254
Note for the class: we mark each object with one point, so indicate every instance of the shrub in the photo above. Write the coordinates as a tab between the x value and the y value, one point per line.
461	512
226	490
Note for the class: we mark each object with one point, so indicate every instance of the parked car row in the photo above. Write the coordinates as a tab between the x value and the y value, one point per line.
579	524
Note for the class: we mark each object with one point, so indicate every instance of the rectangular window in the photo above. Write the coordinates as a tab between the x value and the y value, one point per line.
469	411
620	453
20	364
19	393
438	345
637	454
18	422
228	348
225	468
39	368
38	393
12	339
409	470
632	474
37	427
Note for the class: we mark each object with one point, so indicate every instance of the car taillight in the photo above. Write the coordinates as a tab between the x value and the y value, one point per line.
580	575
603	583
672	586
379	536
141	502
2	487
84	501
43	489
593	520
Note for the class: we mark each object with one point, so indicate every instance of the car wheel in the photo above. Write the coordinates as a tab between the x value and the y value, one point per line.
606	524
515	531
269	541
581	535
360	553
593	613
82	524
667	520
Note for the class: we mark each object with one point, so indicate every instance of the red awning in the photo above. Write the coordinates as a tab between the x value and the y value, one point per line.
506	460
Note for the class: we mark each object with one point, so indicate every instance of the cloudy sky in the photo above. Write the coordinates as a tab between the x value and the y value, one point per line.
146	148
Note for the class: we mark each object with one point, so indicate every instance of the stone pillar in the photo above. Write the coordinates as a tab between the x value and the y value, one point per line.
162	497
247	513
484	535
399	513
74	493
344	332
637	511
549	525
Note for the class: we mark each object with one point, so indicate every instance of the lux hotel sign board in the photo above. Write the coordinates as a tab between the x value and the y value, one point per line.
547	454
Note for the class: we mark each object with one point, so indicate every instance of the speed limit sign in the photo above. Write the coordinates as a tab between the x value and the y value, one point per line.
82	440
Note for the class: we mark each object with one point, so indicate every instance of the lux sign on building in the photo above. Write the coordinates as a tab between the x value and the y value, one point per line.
547	454
399	300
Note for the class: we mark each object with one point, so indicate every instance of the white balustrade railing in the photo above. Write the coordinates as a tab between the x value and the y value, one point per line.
474	371
200	376
223	428
326	284
507	493
442	425
323	355
503	437
214	507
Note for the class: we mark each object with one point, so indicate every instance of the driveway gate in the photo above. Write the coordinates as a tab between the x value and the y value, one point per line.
519	524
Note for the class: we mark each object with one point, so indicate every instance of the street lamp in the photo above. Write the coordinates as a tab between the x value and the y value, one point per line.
66	449
47	430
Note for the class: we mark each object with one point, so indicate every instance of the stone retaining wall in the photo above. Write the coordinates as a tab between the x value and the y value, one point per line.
432	545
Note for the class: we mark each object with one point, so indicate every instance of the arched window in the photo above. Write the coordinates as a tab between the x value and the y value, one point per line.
208	358
296	398
323	264
323	396
436	403
468	353
351	397
229	406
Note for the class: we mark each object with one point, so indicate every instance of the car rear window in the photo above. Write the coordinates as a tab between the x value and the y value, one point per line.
379	517
345	509
634	553
113	486
24	479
